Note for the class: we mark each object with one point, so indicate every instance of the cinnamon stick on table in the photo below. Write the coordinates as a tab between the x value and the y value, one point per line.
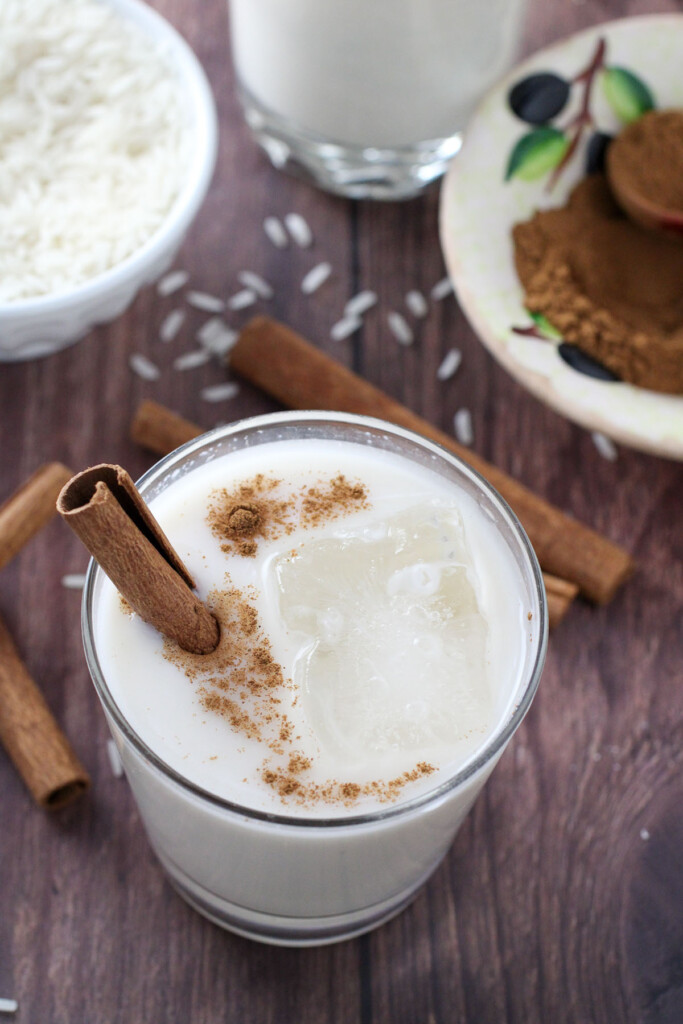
105	509
161	431
32	737
280	362
30	507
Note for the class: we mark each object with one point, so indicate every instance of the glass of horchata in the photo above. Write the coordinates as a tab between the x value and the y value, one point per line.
383	630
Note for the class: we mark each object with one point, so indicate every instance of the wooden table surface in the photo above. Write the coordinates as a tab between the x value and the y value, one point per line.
561	899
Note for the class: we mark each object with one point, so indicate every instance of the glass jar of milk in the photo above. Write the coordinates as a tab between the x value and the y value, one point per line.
368	98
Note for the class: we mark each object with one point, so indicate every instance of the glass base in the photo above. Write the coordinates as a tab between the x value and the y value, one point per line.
356	172
276	930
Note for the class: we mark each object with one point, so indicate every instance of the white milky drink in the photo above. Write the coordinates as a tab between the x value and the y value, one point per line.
382	635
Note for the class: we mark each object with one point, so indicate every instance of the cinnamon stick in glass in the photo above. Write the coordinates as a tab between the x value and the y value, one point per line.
152	427
30	507
104	508
278	361
32	737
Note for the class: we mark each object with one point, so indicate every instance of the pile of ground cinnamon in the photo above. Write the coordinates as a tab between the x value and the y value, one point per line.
648	158
261	509
608	286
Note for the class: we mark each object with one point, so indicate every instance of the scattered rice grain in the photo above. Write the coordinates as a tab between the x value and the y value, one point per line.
8	1006
219	392
240	300
73	581
441	289
299	230
115	762
257	284
605	445
205	302
417	304
360	303
171	324
462	423
345	327
219	340
315	278
644	834
189	360
173	282
450	365
400	328
144	367
276	232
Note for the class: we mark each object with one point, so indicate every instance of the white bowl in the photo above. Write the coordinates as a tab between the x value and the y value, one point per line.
38	327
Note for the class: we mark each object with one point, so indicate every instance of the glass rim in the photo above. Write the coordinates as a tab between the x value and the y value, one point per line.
493	745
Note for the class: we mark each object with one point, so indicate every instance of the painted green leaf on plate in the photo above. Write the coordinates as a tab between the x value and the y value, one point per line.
536	153
627	94
545	326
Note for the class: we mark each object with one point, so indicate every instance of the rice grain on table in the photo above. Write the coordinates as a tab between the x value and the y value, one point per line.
315	278
219	392
190	360
73	581
144	367
417	304
462	424
275	232
345	327
441	289
204	301
299	230
172	282
95	142
450	364
400	328
8	1006
256	283
171	324
216	336
605	446
360	303
240	300
115	762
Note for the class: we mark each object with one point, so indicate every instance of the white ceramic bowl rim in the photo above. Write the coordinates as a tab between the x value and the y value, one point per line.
192	193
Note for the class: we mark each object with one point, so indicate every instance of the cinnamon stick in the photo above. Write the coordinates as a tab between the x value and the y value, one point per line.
152	428
32	737
105	509
278	361
30	507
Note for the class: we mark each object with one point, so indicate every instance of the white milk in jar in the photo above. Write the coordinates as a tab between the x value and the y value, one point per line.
376	636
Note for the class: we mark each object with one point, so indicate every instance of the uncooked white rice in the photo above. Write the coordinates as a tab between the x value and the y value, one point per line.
144	367
189	360
257	283
441	289
171	324
216	336
73	581
115	762
207	303
315	278
450	364
173	282
462	424
644	834
360	303
400	328
8	1006
345	327
417	304
276	232
299	230
605	445
240	300
94	140
219	392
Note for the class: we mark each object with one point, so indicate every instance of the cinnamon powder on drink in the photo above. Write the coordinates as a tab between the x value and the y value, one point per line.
608	286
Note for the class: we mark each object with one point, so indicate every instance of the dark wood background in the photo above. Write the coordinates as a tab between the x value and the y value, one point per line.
553	905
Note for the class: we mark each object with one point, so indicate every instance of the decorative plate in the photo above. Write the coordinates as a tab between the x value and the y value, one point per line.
512	164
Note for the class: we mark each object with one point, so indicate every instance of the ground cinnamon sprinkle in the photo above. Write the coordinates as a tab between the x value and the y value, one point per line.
258	510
